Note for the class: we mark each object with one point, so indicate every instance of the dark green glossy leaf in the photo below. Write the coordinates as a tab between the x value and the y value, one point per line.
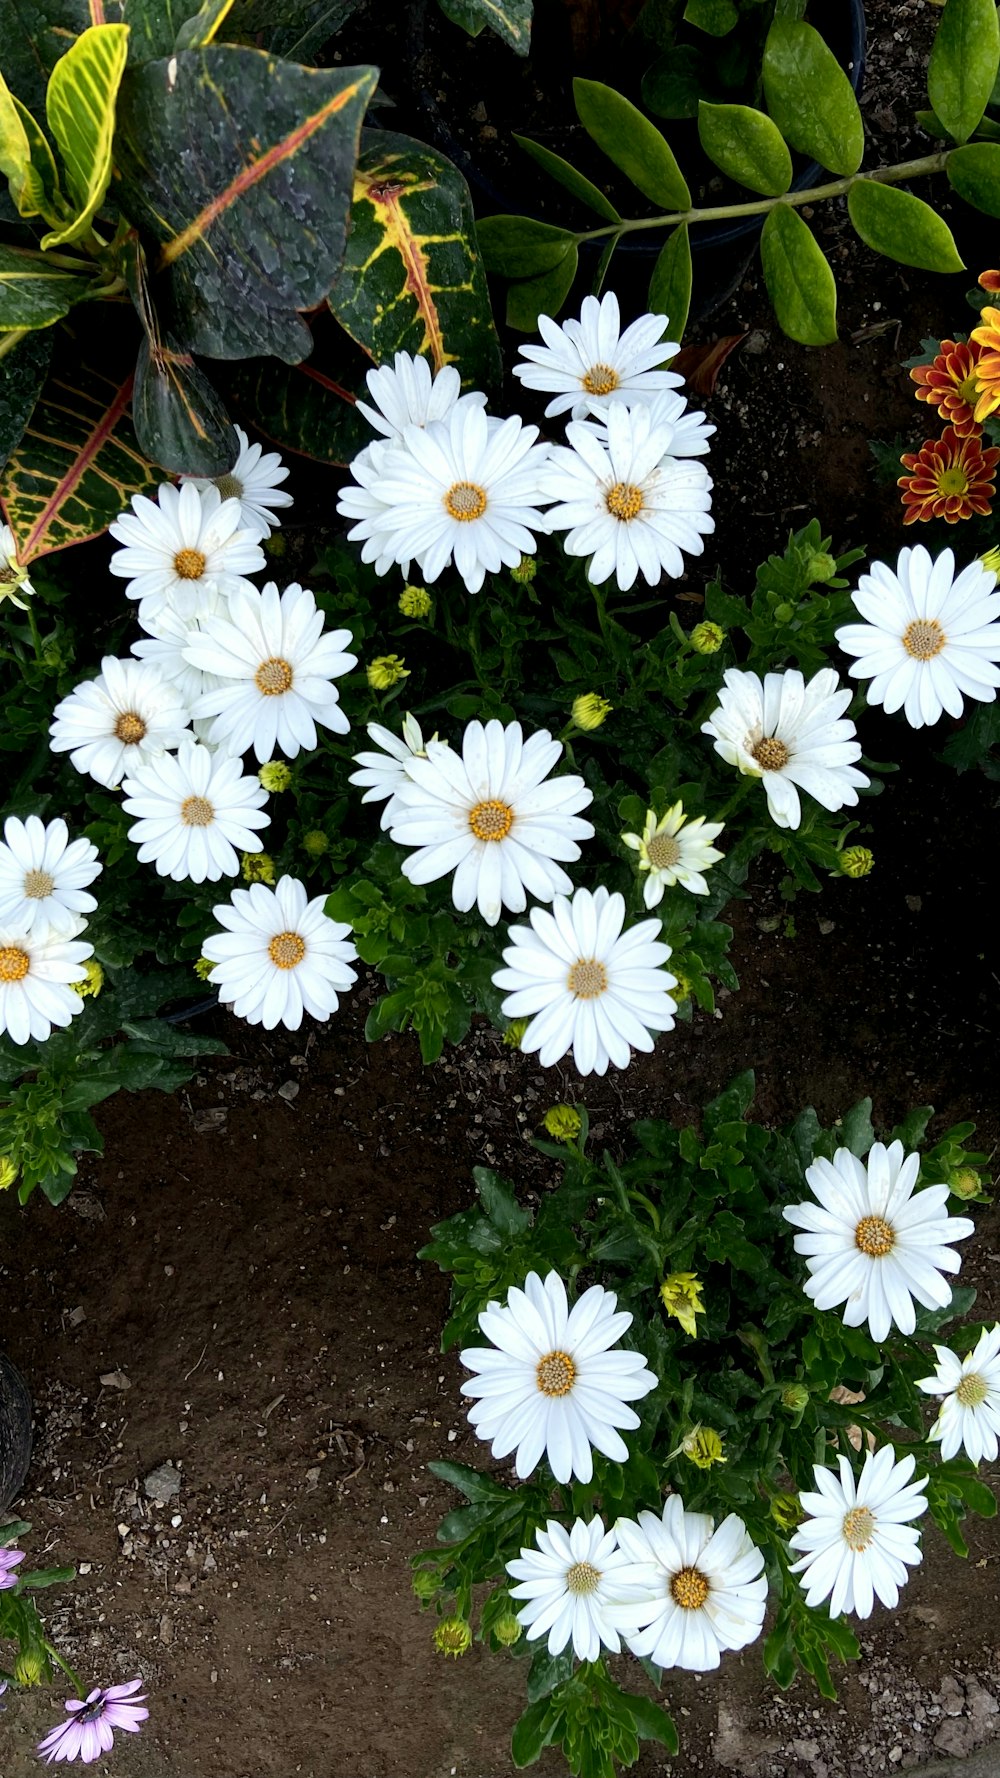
674	85
974	172
567	176
670	285
33	36
471	1482
902	227
34	292
651	1721
296	28
520	247
543	295
799	280
510	19
180	421
632	143
716	17
747	145
23	369
308	407
532	1733
810	97
963	64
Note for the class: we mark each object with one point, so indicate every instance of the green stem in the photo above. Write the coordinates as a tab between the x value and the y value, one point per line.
35	635
54	1655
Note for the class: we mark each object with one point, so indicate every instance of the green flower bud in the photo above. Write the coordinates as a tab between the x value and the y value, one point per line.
590	710
386	671
415	601
425	1583
525	571
784	612
795	1398
315	843
8	1173
707	638
786	1511
203	968
965	1182
453	1637
856	861
821	568
257	867
31	1665
514	1033
507	1630
92	982
275	776
563	1123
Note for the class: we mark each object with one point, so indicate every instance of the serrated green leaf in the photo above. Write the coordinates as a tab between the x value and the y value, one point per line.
532	1733
510	19
963	65
544	295
974	172
810	97
670	285
34	292
747	145
633	143
902	227
521	247
799	280
80	108
568	177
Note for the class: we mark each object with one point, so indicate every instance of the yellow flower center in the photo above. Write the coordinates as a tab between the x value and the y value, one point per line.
491	820
38	884
14	963
8	575
197	812
465	501
556	1373
874	1236
972	1391
587	979
600	380
663	851
689	1588
624	501
583	1578
274	676
230	487
953	480
130	728
770	753
924	638
189	564
968	389
286	950
859	1527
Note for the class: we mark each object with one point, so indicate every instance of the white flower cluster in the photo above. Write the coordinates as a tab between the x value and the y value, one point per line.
447	482
44	877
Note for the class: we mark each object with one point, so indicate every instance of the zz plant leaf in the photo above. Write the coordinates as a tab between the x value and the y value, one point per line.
963	65
799	280
633	143
974	172
747	145
566	175
670	285
810	97
902	227
543	295
80	108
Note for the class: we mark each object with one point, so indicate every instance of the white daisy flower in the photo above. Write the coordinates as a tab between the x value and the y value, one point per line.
789	733
626	502
590	361
382	773
279	956
408	393
930	637
689	430
858	1536
44	876
363	499
181	544
275	669
570	1582
871	1243
192	809
674	849
35	977
703	1589
108	725
255	481
489	815
585	984
456	490
13	580
969	1417
549	1385
169	635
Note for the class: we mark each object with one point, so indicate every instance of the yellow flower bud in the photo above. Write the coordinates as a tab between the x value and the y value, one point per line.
965	1182
590	710
991	561
257	867
415	601
563	1123
93	980
786	1511
386	671
707	638
525	571
507	1630
795	1398
703	1447
315	843
275	776
203	968
426	1584
514	1033
453	1637
8	1173
681	1296
30	1666
856	861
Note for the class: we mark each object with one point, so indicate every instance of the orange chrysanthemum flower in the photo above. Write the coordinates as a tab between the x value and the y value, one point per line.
950	384
950	478
987	338
989	280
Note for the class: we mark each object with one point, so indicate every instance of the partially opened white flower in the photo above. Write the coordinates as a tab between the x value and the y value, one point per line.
549	1384
169	635
674	849
180	545
571	1584
969	1416
408	393
192	809
585	984
626	502
701	1588
255	481
44	876
127	714
591	362
858	1536
492	815
13	579
382	773
279	956
35	980
931	637
689	430
874	1244
456	490
274	667
789	733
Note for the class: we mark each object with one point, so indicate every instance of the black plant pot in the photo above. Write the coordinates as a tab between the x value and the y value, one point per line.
15	1431
720	251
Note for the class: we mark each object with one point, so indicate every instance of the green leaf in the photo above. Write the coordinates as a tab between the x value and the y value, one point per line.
674	85
670	285
180	421
23	370
521	247
26	158
747	145
510	19
470	1482
80	108
902	227
651	1721
296	29
798	278
569	178
856	1132
35	293
33	35
412	278
810	97
241	167
963	64
532	1733
543	295
974	172
308	407
716	17
204	25
632	143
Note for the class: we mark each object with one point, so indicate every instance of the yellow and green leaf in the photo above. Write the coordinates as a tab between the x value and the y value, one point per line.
510	19
80	107
27	159
35	293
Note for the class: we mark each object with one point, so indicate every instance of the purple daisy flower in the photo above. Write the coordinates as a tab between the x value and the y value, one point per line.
9	1559
89	1732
